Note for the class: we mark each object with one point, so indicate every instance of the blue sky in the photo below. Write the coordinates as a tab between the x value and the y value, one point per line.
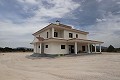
20	18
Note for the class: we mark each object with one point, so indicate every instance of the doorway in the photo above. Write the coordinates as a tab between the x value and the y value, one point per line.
71	49
83	48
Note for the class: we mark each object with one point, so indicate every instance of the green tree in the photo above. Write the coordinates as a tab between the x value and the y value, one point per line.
110	49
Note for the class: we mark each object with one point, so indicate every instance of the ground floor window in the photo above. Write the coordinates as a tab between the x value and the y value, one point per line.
62	46
46	46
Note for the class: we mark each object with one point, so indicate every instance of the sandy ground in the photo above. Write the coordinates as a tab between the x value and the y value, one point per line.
15	66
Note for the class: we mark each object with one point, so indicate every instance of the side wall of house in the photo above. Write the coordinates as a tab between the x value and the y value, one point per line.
80	36
44	34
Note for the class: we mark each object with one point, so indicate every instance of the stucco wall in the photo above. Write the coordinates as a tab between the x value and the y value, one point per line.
61	34
55	48
44	34
80	36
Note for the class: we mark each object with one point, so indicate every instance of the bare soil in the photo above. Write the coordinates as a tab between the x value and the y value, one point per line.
15	66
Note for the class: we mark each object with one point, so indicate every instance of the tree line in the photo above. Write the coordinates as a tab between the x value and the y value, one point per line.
104	49
111	48
7	49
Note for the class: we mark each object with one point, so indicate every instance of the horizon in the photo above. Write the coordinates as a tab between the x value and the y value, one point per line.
19	19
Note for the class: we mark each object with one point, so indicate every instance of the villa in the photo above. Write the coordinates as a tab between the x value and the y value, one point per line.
57	38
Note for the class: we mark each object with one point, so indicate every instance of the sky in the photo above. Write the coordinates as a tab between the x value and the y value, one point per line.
19	19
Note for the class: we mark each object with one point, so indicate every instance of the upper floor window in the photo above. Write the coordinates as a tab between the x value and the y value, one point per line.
55	34
47	34
76	35
70	35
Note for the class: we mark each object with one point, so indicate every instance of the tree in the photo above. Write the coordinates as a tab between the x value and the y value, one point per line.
110	49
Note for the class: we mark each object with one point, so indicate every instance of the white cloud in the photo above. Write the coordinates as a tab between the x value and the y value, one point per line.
98	0
60	9
18	34
28	1
107	31
118	2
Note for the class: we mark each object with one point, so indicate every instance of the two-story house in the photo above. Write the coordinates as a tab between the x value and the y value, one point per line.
57	38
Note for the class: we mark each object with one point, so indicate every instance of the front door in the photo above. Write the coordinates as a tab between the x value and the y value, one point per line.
83	48
71	49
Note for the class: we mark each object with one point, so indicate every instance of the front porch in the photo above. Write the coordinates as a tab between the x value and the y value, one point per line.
84	46
70	48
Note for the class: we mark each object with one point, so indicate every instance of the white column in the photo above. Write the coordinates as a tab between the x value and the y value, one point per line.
100	47
40	48
52	32
75	47
34	48
95	47
88	48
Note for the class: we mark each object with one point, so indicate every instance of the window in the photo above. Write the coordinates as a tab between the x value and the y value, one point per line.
76	35
55	34
62	46
46	46
47	34
70	35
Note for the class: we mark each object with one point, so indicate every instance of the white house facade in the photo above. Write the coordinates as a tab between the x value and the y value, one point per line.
57	38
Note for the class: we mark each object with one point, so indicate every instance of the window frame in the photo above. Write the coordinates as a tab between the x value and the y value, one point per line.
55	34
46	46
76	35
70	35
62	46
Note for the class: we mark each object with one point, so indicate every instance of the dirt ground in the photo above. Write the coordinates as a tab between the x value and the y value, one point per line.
15	66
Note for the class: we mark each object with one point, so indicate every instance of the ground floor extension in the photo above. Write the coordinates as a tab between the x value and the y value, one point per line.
62	46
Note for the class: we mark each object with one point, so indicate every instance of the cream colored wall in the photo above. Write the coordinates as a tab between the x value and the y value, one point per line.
60	33
80	36
36	48
49	49
55	48
44	34
79	48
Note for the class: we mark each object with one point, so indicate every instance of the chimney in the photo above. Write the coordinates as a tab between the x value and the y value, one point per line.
57	22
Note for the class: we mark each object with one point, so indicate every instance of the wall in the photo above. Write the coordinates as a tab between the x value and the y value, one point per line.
80	36
60	33
55	48
44	34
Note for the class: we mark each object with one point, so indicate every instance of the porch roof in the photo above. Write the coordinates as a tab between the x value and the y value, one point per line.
68	40
85	41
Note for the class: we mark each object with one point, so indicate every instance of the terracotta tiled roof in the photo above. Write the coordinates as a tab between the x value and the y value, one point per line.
62	26
40	38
